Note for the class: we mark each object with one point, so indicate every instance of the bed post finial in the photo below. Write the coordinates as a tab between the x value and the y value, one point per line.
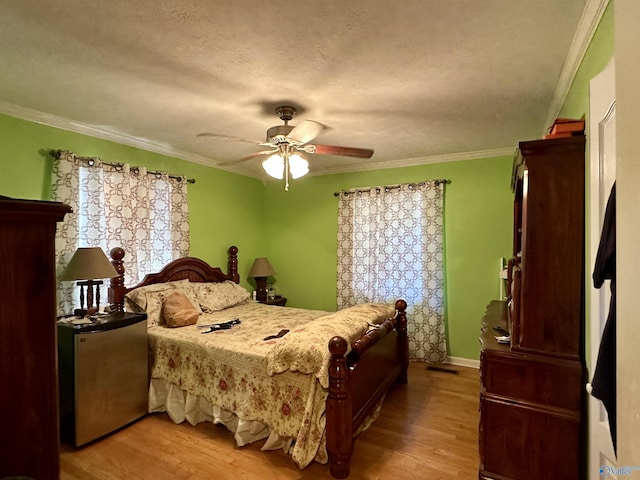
116	287
403	342
232	265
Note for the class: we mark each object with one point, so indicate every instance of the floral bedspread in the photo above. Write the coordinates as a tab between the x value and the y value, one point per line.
280	381
305	349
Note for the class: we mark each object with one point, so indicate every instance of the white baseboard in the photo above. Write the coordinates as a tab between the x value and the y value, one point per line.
464	362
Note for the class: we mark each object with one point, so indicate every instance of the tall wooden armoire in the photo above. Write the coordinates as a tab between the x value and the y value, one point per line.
532	422
28	363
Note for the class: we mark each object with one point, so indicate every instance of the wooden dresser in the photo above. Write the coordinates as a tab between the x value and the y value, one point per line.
28	369
532	399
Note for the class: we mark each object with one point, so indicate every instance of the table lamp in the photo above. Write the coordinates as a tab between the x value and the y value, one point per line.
87	265
260	270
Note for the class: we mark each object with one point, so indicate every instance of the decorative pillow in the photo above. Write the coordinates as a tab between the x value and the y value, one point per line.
218	296
178	311
149	298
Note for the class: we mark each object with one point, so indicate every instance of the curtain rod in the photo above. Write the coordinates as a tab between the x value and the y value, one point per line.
157	173
391	187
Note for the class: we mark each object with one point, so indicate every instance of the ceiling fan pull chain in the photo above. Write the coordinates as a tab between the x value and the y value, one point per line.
286	170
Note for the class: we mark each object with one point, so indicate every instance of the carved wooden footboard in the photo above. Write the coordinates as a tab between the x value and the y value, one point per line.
358	381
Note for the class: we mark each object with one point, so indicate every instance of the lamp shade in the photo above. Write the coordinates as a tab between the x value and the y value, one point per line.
274	166
298	166
261	268
88	263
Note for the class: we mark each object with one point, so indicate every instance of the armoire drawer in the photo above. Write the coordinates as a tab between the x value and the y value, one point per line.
523	443
531	379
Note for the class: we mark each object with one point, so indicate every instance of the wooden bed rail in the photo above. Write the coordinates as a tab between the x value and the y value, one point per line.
340	415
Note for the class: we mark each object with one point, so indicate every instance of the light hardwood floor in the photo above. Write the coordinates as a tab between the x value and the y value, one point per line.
427	429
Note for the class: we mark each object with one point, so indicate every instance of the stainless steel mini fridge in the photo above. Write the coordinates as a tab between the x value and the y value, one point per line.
103	375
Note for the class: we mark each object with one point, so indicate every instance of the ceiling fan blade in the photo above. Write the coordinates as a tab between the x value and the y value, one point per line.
343	151
228	137
259	154
249	157
306	131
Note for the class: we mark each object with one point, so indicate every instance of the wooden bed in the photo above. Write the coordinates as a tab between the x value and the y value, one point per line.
358	381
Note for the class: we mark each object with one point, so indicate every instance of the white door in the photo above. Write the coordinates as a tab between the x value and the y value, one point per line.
602	145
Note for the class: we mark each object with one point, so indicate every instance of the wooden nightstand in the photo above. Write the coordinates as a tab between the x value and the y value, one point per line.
280	301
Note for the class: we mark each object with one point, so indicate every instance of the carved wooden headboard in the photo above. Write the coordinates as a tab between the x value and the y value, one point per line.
191	268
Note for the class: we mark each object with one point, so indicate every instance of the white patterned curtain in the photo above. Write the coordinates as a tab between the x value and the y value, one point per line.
390	246
116	205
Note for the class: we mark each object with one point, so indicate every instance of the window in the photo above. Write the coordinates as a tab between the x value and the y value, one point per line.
390	246
116	205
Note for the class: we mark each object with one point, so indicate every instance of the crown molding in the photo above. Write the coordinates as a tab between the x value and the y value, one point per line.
76	127
164	149
412	162
589	21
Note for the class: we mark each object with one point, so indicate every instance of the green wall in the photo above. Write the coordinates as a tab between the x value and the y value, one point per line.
224	209
297	229
301	231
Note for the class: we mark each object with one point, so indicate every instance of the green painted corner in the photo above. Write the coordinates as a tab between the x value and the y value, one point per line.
301	233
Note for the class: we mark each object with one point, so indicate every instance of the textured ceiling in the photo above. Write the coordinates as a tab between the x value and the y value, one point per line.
412	80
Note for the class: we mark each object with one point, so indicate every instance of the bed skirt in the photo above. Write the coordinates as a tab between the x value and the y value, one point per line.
181	405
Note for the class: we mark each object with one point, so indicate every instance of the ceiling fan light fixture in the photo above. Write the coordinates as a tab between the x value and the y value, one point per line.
274	166
298	166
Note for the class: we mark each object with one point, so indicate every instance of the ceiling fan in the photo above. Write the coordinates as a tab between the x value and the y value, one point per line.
285	141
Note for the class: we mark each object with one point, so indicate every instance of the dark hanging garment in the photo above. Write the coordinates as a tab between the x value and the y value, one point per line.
604	378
